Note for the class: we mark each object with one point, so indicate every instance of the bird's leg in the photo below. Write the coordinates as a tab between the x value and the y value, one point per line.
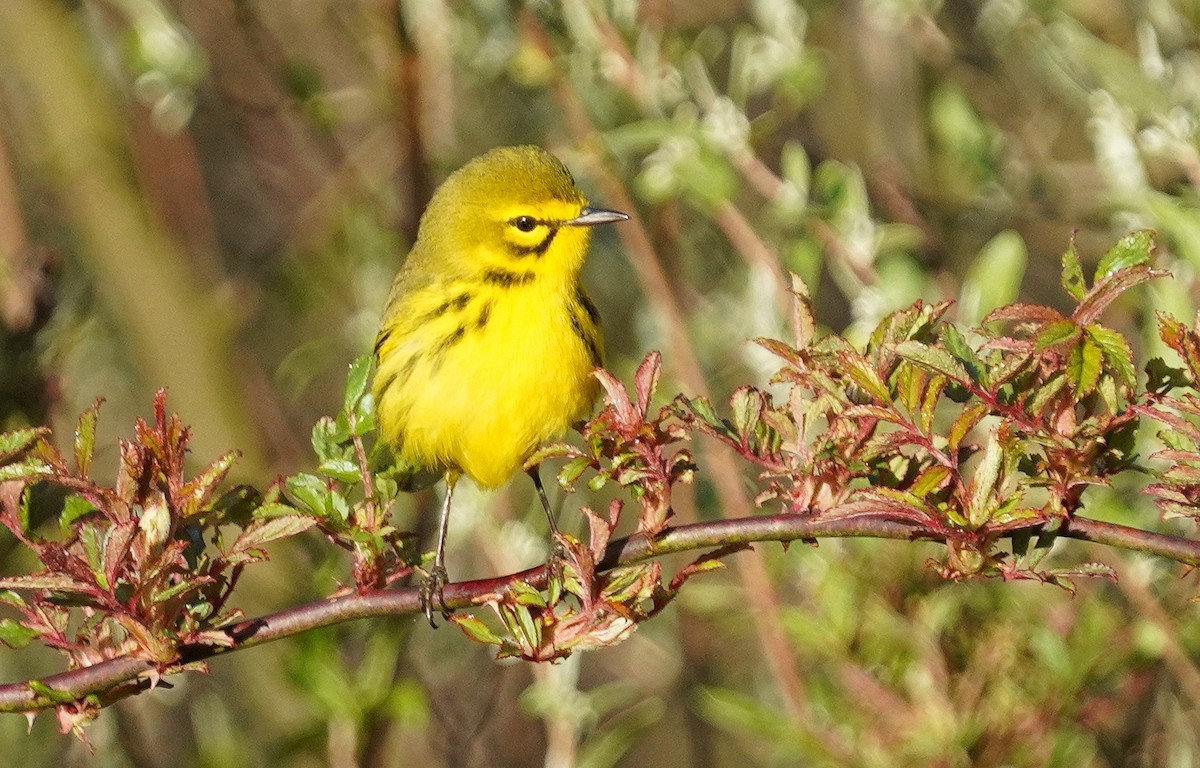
431	587
558	552
541	491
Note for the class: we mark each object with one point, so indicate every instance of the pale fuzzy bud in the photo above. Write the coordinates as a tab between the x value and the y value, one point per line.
155	522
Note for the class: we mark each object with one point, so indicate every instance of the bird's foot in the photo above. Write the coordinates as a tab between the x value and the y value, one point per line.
556	561
431	593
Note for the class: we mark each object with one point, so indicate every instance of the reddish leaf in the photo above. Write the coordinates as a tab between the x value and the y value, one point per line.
623	409
58	582
646	380
1109	289
1025	314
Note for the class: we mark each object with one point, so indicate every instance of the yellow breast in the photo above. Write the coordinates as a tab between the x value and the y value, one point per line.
501	370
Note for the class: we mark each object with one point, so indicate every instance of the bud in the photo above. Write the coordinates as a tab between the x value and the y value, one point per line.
155	522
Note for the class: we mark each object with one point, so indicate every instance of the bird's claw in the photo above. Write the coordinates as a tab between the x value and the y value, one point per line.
557	559
431	592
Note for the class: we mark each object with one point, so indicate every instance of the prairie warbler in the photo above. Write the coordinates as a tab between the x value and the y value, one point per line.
488	340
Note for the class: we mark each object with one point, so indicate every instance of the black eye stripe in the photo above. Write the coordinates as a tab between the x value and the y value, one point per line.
537	249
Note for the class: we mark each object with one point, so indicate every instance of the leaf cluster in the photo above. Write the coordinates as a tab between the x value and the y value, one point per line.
970	435
138	568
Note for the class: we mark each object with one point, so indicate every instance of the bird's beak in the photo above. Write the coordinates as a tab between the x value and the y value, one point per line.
590	217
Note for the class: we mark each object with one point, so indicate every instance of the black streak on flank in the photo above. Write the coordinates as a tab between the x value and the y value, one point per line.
405	371
506	279
387	385
381	340
538	249
589	342
592	313
445	344
485	314
458	303
410	365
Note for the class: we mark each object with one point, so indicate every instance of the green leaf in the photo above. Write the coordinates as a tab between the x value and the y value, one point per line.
1057	333
524	594
552	451
95	541
345	470
1042	397
983	482
30	469
521	625
572	471
15	634
935	359
161	596
273	509
18	441
956	344
329	437
1072	273
1131	250
746	406
357	380
85	437
364	415
862	374
1084	367
475	629
1009	511
8	597
255	537
929	481
1116	352
702	409
962	426
310	493
74	507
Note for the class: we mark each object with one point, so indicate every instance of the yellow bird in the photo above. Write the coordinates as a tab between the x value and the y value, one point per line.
487	341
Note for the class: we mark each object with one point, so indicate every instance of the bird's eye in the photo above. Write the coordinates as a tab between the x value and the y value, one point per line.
525	223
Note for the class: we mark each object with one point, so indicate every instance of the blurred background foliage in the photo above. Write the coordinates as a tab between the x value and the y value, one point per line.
214	197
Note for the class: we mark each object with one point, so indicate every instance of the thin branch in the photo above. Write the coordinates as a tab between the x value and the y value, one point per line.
125	675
